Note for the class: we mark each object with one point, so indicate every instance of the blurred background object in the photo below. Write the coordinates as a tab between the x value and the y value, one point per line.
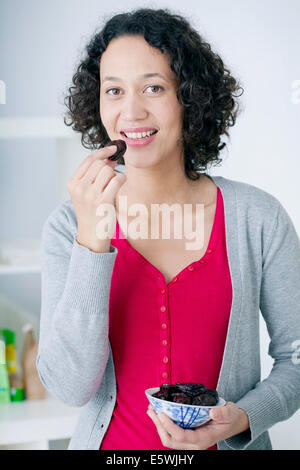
30	418
33	387
41	43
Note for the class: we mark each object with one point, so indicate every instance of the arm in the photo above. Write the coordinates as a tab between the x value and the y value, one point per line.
277	397
73	342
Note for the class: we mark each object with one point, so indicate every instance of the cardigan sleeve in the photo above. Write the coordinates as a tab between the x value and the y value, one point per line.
277	397
73	341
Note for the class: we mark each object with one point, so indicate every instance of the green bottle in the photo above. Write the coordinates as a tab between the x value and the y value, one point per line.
4	381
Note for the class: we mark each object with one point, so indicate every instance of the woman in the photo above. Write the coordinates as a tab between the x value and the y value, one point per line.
122	314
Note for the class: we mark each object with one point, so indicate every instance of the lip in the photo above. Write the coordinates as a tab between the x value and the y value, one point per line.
138	142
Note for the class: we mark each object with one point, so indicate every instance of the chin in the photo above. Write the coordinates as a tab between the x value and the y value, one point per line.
143	157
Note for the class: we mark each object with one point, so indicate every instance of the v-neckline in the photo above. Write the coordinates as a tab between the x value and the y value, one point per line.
198	264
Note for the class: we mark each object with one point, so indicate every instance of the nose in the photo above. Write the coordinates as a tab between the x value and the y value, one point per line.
133	108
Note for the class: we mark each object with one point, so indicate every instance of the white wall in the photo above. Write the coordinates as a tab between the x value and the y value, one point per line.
258	40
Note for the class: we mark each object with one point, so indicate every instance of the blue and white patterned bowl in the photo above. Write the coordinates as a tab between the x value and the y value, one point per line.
185	416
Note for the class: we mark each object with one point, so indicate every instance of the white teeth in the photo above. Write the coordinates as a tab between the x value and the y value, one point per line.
139	135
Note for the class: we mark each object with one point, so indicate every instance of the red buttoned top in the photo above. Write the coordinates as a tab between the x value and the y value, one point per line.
164	333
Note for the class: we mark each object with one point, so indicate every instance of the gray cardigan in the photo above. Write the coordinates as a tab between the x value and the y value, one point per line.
75	361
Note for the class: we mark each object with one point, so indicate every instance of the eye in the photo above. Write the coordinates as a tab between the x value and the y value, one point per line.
155	86
111	90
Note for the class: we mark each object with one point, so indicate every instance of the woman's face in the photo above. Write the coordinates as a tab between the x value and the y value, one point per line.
133	101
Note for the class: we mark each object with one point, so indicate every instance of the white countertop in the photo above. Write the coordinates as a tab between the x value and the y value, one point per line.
34	420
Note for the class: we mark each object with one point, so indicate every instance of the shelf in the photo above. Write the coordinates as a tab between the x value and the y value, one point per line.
18	269
34	127
20	256
36	420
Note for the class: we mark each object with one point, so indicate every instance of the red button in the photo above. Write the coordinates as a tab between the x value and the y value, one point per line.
165	360
175	279
165	375
164	326
163	291
191	268
209	251
202	261
163	309
164	342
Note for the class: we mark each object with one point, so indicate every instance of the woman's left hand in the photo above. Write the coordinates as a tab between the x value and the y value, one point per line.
226	421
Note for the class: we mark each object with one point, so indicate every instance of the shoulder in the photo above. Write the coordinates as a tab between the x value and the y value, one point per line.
249	197
259	212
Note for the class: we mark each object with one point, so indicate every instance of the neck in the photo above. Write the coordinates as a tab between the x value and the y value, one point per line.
150	187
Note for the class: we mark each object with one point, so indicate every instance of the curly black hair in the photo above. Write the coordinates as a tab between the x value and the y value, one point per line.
205	86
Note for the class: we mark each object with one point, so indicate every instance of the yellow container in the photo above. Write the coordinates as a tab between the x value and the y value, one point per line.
10	350
11	359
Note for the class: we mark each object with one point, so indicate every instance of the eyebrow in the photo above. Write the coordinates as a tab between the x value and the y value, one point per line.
145	75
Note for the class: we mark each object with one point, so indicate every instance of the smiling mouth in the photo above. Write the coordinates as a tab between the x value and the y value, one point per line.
137	138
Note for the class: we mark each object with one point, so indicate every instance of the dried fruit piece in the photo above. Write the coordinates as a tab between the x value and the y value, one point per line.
214	393
168	389
181	398
160	395
204	400
191	389
121	149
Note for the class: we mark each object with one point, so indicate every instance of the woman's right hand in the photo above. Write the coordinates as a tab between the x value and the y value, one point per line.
93	183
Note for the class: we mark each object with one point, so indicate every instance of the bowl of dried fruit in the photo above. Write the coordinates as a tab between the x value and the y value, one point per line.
187	404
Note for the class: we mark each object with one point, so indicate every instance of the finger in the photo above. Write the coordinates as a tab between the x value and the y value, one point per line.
185	439
98	171
103	177
164	436
221	414
178	434
100	154
175	431
96	168
92	172
111	189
